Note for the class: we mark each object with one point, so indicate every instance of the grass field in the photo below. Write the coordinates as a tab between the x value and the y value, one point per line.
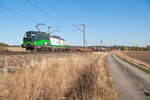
139	55
64	76
18	49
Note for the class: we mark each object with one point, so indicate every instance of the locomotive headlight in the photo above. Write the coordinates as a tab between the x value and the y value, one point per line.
25	35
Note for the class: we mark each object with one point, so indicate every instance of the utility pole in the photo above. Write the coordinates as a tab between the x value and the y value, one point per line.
101	44
84	35
49	30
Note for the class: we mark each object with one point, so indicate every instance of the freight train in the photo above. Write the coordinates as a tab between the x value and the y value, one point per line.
41	41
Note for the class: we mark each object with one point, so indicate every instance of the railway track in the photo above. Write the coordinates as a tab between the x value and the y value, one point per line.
28	52
44	52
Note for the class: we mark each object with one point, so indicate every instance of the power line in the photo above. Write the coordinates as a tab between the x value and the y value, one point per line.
40	9
37	7
20	14
77	28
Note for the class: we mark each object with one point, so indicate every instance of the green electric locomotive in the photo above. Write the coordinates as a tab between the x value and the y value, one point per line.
41	41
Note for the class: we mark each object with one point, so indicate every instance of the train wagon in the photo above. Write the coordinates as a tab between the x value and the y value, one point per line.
41	41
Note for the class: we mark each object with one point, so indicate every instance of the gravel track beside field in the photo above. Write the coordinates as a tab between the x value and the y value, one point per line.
128	79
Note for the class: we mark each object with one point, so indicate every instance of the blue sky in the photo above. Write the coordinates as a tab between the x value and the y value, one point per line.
119	22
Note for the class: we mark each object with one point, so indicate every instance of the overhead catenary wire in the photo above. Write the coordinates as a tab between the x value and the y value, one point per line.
28	17
18	13
42	10
37	7
77	28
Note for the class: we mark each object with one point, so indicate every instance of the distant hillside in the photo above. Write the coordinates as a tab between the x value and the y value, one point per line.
3	44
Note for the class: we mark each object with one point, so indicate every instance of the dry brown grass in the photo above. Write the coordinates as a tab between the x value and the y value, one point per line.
13	49
3	49
55	77
16	49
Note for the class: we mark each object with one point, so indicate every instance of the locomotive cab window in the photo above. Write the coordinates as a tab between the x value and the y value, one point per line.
46	37
39	36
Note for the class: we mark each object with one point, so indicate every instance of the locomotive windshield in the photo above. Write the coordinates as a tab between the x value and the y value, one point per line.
30	36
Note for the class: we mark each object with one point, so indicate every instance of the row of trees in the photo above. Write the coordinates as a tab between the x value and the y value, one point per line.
135	48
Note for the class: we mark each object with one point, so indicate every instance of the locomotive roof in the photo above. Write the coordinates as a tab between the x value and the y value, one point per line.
54	36
36	32
57	37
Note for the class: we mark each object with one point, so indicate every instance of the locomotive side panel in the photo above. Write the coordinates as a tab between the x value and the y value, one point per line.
62	42
54	41
42	39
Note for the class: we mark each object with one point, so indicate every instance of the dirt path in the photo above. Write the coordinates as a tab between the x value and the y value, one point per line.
129	81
